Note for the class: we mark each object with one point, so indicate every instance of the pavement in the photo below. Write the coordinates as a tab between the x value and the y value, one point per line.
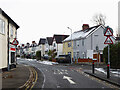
15	78
87	68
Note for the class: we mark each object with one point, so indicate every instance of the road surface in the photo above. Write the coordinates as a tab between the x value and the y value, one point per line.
61	76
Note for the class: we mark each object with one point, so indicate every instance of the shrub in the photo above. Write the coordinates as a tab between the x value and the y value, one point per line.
114	55
50	53
17	55
38	55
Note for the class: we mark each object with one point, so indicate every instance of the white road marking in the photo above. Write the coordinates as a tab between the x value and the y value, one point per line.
60	71
44	78
69	79
58	86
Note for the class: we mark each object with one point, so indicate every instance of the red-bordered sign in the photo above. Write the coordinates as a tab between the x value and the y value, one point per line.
12	49
15	42
108	41
108	32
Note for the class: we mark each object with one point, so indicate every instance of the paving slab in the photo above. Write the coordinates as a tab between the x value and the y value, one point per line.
15	77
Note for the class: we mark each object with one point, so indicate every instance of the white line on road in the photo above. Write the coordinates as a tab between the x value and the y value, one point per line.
44	78
57	71
69	79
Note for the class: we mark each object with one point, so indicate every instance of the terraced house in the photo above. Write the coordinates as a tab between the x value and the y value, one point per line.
8	32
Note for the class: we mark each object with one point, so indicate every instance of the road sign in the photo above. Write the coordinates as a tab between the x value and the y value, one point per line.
15	42
108	32
107	28
108	41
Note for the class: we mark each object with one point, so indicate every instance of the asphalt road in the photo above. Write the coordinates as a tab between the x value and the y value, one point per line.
61	76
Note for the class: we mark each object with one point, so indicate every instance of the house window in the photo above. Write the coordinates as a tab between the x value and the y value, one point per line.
54	45
69	53
26	49
77	42
11	31
16	33
69	44
2	26
82	42
77	54
74	43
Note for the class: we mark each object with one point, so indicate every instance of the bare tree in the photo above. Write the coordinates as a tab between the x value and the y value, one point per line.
99	19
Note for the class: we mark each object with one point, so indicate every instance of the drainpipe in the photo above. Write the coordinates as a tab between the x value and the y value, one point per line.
8	46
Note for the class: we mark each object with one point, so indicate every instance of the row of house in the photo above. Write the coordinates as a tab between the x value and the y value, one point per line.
85	43
8	32
44	45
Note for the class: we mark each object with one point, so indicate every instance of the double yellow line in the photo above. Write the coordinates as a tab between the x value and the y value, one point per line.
32	79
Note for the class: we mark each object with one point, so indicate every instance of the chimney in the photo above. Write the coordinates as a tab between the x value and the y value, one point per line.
22	45
33	42
85	26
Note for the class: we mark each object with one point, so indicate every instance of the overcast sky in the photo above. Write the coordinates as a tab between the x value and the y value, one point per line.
43	18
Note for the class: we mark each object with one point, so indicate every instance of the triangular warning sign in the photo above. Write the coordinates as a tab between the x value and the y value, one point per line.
15	42
108	32
108	41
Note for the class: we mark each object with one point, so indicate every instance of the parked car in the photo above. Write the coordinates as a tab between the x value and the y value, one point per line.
63	59
46	57
28	56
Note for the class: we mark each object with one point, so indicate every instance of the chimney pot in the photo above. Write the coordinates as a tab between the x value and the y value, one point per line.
85	26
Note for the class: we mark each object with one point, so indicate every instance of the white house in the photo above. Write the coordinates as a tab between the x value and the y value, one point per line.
27	49
33	48
48	44
57	43
42	46
89	41
8	32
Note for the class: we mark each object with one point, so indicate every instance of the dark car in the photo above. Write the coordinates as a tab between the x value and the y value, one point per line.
28	56
63	59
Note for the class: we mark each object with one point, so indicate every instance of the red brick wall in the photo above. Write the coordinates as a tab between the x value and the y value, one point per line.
53	60
86	60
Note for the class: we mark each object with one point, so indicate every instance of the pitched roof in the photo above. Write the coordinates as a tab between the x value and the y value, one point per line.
82	33
59	38
50	40
42	41
10	20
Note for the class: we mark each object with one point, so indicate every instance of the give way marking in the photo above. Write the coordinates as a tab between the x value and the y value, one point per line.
69	79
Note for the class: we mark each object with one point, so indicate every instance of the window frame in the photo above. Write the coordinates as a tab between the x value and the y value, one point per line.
77	43
2	26
69	44
83	42
11	31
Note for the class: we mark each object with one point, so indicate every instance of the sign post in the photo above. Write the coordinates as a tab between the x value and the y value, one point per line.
108	32
93	67
15	42
108	66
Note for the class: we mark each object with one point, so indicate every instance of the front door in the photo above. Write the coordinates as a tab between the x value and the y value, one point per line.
12	57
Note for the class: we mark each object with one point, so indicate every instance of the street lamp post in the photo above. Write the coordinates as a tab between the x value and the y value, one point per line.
71	43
